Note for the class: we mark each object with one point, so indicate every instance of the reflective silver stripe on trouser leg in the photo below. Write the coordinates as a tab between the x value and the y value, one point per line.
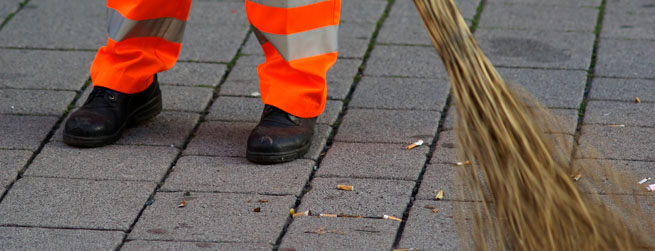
286	3
305	44
121	28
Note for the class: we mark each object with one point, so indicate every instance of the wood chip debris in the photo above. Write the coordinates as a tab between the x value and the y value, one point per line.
577	176
305	213
257	209
439	195
415	144
387	217
327	215
637	100
643	181
262	201
182	204
617	125
433	208
466	162
651	188
345	187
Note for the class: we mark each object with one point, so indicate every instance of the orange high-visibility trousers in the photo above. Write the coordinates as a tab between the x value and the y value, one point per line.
299	39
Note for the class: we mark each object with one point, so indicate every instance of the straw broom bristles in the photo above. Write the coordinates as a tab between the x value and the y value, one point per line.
528	201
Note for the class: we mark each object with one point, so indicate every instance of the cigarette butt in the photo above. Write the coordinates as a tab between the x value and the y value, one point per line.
182	204
439	195
306	213
577	176
434	210
349	216
651	187
387	217
255	94
257	210
292	211
415	144
345	187
617	125
327	215
466	162
637	100
643	181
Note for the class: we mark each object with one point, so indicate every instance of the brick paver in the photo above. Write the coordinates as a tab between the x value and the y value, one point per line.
387	90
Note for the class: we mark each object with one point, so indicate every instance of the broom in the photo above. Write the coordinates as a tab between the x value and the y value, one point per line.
527	198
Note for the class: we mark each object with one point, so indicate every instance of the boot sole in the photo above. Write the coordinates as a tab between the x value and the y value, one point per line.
274	158
143	113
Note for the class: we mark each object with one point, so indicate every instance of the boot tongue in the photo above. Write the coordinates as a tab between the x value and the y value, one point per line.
275	115
101	97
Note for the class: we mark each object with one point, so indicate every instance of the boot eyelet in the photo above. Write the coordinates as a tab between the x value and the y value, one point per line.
111	97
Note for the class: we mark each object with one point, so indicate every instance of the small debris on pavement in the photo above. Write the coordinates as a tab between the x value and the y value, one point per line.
439	195
182	204
345	187
405	249
292	211
643	181
257	209
466	162
262	201
617	125
637	100
349	216
387	217
415	144
327	215
255	94
577	176
651	188
433	208
306	213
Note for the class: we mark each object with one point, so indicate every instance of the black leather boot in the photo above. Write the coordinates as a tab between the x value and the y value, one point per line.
279	137
106	113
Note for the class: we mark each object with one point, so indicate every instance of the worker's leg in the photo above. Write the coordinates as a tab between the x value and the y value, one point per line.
144	38
299	39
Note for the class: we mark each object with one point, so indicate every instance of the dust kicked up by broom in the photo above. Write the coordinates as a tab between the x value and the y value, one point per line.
521	181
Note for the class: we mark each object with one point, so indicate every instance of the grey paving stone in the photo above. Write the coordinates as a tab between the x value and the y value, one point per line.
405	61
581	3
226	139
442	176
354	38
74	203
425	230
388	126
353	47
534	48
445	151
373	160
7	7
362	10
319	140
43	69
619	143
252	47
27	238
112	162
599	171
215	31
188	99
527	16
24	132
238	175
246	69
11	161
552	88
186	245
42	25
340	77
314	233
625	58
41	102
193	74
369	198
214	217
407	8
631	6
624	113
622	89
401	93
451	116
245	109
628	25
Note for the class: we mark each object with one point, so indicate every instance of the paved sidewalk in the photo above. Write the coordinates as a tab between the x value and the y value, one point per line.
387	90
